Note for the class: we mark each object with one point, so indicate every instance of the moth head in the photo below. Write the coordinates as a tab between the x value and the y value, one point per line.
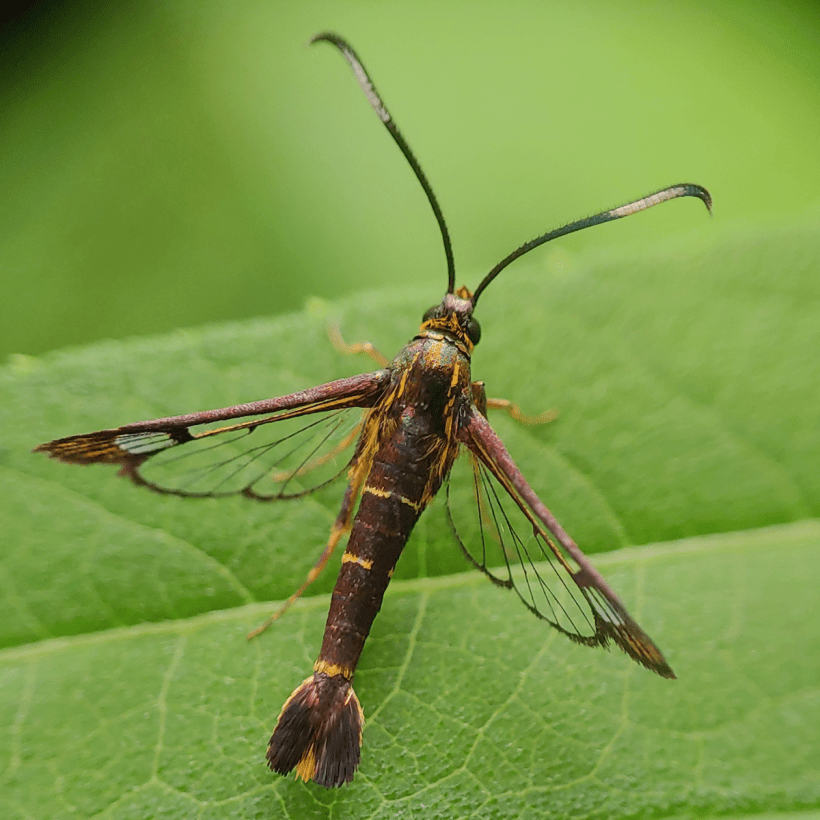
454	316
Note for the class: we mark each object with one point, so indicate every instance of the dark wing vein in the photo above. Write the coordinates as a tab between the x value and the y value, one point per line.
296	456
501	536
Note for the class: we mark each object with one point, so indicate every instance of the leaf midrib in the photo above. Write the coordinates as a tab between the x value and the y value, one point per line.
651	553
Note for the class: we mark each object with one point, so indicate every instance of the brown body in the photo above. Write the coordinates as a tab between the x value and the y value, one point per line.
406	450
412	451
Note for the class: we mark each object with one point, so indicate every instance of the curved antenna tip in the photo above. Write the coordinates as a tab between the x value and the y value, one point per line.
691	189
330	37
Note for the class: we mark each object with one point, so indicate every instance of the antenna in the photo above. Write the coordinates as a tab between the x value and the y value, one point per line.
648	201
363	78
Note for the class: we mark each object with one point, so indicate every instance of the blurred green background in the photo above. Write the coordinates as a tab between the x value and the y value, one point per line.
171	163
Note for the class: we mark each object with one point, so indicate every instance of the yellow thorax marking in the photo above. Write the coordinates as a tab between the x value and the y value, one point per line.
403	383
449	415
449	325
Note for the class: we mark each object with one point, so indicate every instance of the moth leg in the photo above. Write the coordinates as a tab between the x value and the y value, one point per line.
340	528
482	403
337	340
515	412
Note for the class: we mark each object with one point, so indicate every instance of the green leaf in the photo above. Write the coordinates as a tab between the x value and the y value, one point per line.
687	391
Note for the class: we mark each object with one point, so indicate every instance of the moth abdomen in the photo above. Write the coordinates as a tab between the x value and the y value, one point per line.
319	731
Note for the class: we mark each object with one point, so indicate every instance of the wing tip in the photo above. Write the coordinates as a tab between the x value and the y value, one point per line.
650	658
637	644
86	448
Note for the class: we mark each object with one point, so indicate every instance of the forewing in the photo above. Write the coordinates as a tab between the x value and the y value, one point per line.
278	448
289	458
508	533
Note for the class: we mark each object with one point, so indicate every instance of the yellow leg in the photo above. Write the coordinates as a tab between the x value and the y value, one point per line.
342	346
336	535
482	403
515	412
342	525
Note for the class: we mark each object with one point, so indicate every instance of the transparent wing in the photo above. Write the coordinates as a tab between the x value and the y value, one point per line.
501	535
285	459
498	539
281	447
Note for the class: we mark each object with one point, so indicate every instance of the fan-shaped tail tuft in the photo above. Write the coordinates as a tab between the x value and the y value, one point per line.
319	732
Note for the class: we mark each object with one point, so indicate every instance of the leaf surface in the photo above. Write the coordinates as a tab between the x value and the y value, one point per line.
687	391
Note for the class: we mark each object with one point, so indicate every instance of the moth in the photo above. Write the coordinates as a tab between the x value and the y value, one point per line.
397	432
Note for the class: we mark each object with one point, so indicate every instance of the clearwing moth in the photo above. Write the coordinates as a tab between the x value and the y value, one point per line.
420	410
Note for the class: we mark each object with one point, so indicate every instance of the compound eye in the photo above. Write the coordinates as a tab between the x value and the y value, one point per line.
430	313
474	330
